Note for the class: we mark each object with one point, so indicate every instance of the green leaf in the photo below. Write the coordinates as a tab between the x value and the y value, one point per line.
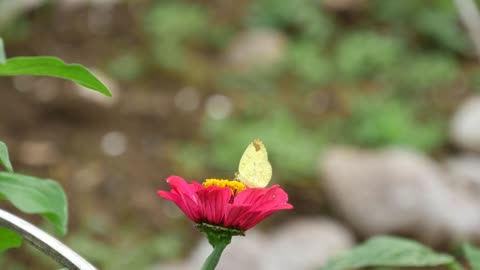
473	256
4	158
51	66
388	251
2	52
36	196
9	239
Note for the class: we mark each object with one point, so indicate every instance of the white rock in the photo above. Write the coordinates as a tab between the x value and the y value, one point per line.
305	244
465	169
299	244
399	191
465	125
256	48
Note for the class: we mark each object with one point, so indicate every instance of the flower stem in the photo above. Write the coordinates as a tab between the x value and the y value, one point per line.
212	260
219	237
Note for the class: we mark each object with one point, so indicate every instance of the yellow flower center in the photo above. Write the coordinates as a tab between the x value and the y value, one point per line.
233	185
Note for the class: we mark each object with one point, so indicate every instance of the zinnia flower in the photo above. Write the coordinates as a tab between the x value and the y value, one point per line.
225	203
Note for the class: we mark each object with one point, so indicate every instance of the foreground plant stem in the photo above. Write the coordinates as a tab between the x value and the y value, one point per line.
44	242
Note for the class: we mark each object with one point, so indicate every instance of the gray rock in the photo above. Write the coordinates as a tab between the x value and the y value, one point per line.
305	244
299	244
465	125
399	191
465	170
256	48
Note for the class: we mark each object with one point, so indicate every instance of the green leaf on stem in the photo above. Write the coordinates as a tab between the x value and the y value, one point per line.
2	52
4	157
51	66
36	196
9	239
473	256
388	251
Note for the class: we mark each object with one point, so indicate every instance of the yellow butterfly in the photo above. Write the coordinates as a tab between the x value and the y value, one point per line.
254	169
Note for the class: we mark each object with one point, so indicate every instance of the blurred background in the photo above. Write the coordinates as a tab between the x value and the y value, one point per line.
370	111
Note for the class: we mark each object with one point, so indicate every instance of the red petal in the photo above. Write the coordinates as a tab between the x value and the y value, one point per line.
214	199
184	196
255	204
233	214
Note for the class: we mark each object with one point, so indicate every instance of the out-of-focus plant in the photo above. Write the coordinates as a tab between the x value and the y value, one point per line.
264	80
177	21
171	27
364	55
128	66
422	72
309	64
474	79
442	28
377	121
395	13
176	28
301	18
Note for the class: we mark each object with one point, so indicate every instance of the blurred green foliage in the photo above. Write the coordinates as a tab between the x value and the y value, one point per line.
421	72
474	79
309	64
378	69
301	18
128	66
175	28
364	55
380	122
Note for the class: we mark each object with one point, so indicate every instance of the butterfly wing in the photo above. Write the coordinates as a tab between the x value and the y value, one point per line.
254	169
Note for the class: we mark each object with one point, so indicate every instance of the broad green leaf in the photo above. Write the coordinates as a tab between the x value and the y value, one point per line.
473	256
2	52
4	158
36	196
9	239
51	66
388	251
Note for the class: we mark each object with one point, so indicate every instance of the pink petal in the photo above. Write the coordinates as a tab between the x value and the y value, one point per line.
233	214
253	205
250	196
214	199
253	217
184	196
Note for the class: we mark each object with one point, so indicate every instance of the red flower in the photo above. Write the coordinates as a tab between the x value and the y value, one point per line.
225	203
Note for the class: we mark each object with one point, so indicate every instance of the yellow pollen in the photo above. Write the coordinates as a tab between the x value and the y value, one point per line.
235	186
